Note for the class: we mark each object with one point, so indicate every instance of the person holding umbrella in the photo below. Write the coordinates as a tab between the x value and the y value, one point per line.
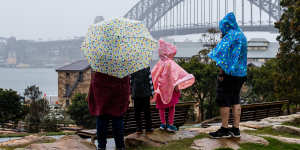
230	56
114	49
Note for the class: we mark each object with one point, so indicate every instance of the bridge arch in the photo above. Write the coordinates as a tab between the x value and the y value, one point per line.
180	17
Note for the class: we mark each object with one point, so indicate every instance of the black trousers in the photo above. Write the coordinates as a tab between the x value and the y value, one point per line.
142	105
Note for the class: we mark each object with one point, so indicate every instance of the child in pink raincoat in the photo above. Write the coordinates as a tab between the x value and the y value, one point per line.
168	79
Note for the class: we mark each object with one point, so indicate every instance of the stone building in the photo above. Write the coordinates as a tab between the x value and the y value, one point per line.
73	78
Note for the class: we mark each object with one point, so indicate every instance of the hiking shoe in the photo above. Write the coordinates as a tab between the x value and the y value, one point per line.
221	133
171	128
162	127
235	132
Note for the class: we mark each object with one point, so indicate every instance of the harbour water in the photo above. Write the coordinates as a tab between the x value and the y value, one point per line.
18	79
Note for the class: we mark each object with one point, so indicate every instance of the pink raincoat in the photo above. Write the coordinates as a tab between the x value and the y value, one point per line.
167	74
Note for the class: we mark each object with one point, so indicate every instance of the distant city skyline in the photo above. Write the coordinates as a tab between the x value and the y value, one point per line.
55	19
66	19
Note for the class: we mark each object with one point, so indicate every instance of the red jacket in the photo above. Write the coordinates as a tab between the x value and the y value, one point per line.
108	95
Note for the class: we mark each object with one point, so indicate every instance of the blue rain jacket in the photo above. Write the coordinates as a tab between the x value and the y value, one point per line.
231	53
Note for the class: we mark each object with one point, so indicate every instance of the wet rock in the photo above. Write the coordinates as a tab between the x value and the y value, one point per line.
287	129
72	142
213	129
282	119
283	139
212	144
26	141
157	138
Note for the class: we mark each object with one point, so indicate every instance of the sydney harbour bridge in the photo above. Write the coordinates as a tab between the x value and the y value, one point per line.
181	17
163	18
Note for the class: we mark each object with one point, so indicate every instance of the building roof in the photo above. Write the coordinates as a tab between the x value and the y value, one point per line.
79	65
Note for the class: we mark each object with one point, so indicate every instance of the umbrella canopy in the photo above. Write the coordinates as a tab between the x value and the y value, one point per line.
118	47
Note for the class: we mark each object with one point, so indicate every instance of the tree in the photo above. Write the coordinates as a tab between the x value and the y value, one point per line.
204	87
261	82
38	108
79	112
11	107
288	84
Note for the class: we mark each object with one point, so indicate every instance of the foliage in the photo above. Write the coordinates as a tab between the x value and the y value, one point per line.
288	84
33	92
204	87
261	82
38	109
79	112
11	107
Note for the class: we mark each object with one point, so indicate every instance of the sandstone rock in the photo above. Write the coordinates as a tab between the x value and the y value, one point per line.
282	119
213	129
72	142
284	139
26	141
258	124
288	129
157	138
212	144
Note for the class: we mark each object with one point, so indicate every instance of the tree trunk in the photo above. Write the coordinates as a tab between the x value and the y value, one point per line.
289	103
201	110
197	113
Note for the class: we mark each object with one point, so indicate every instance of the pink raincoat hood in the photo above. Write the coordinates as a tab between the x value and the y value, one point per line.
167	74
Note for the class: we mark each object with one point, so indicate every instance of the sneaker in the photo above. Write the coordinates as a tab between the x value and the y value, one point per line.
221	133
171	128
235	132
162	127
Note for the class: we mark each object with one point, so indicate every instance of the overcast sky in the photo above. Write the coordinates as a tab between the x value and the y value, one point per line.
64	19
54	19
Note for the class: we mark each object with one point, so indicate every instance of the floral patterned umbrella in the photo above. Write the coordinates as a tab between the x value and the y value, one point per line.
118	47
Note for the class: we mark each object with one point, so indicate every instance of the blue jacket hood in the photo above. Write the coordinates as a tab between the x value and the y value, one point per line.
228	23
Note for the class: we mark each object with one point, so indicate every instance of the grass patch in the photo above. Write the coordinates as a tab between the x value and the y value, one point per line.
273	145
42	134
14	135
295	123
57	133
184	144
270	131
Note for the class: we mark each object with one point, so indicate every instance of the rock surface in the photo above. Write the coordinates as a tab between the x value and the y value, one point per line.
72	142
212	144
26	141
157	138
284	139
213	129
287	129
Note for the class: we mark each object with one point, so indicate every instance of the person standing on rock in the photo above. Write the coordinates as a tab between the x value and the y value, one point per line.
141	93
108	99
230	56
168	79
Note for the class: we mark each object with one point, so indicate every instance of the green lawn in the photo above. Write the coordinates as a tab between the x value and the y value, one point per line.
43	134
274	144
269	130
295	123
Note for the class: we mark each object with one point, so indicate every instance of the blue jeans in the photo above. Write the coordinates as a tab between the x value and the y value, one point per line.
118	131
